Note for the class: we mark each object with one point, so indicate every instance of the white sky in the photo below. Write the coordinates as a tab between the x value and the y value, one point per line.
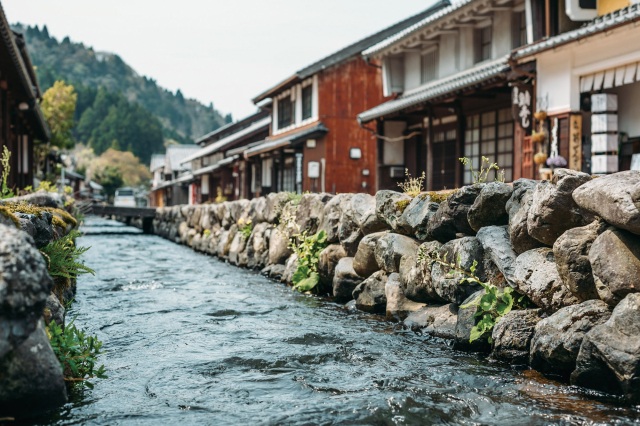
225	52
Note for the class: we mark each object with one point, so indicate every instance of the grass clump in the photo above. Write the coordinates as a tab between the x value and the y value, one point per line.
412	186
77	352
245	228
486	167
307	248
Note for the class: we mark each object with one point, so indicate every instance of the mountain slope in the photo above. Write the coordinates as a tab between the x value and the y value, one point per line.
182	119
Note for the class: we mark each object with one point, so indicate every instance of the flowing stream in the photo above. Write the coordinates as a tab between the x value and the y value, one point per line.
192	340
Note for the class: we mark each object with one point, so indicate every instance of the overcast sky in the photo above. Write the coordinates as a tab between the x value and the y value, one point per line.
220	51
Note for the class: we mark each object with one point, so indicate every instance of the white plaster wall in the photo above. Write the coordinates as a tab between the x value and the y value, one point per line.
628	108
448	51
554	82
466	48
502	33
412	70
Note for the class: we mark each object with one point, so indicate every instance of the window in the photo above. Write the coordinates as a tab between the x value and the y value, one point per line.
307	104
490	135
429	67
267	168
285	112
519	29
483	43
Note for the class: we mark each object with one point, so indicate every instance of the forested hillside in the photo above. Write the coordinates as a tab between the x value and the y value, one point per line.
116	106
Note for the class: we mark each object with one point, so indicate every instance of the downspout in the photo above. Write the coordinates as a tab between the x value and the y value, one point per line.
323	162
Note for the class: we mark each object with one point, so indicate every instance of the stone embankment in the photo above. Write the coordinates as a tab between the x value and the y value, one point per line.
31	378
570	245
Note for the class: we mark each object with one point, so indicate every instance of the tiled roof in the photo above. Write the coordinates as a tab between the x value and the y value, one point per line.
600	24
383	44
174	156
444	86
157	161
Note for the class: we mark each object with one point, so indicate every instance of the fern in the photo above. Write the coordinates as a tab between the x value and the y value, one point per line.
63	257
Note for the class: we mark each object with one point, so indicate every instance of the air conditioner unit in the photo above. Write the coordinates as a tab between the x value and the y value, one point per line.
396	172
581	10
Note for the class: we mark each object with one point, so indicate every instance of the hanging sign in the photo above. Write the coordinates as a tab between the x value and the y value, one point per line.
575	142
522	106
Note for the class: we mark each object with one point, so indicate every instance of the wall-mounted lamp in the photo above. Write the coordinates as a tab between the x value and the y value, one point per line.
355	153
23	106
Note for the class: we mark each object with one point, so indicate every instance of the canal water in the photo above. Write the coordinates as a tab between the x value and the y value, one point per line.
192	340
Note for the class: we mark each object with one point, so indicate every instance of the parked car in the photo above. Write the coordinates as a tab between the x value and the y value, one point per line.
125	197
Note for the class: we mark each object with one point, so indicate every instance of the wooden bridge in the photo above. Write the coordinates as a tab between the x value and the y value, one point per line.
124	214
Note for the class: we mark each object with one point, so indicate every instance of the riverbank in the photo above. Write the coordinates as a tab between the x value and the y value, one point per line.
553	264
31	376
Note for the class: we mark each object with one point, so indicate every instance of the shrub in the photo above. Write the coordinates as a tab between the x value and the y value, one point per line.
77	353
307	248
5	191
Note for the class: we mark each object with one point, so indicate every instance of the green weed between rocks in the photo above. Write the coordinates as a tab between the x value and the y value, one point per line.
246	227
77	353
482	175
307	248
5	191
494	304
412	186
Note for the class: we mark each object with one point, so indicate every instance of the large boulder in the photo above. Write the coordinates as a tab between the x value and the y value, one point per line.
498	249
370	294
290	268
447	281
274	202
416	216
279	249
39	226
327	262
489	208
31	381
310	211
349	232
257	209
553	210
571	252
512	336
557	338
466	321
237	246
451	216
390	205
609	357
615	198
345	280
536	276
257	251
518	208
332	214
398	306
364	214
364	261
437	321
615	262
390	248
415	274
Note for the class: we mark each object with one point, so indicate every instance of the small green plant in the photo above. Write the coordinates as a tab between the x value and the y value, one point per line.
307	248
294	198
401	205
5	191
412	186
246	227
485	168
206	233
77	353
491	306
63	261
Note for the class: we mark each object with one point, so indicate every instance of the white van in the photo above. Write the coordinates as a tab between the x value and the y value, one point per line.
125	197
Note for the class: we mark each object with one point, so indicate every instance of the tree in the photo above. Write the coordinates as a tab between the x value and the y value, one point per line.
58	106
110	178
124	163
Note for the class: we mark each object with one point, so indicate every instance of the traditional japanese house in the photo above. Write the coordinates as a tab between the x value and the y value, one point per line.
315	142
172	179
21	121
588	84
219	173
453	88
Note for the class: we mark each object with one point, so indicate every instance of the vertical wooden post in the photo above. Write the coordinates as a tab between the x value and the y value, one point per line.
460	124
430	150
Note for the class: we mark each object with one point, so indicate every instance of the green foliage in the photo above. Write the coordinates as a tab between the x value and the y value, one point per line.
491	306
180	118
58	107
110	178
246	227
5	192
294	198
63	257
412	186
77	353
307	248
485	168
401	205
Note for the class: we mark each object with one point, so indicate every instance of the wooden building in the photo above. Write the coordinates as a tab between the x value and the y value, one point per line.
172	177
21	121
315	143
218	169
